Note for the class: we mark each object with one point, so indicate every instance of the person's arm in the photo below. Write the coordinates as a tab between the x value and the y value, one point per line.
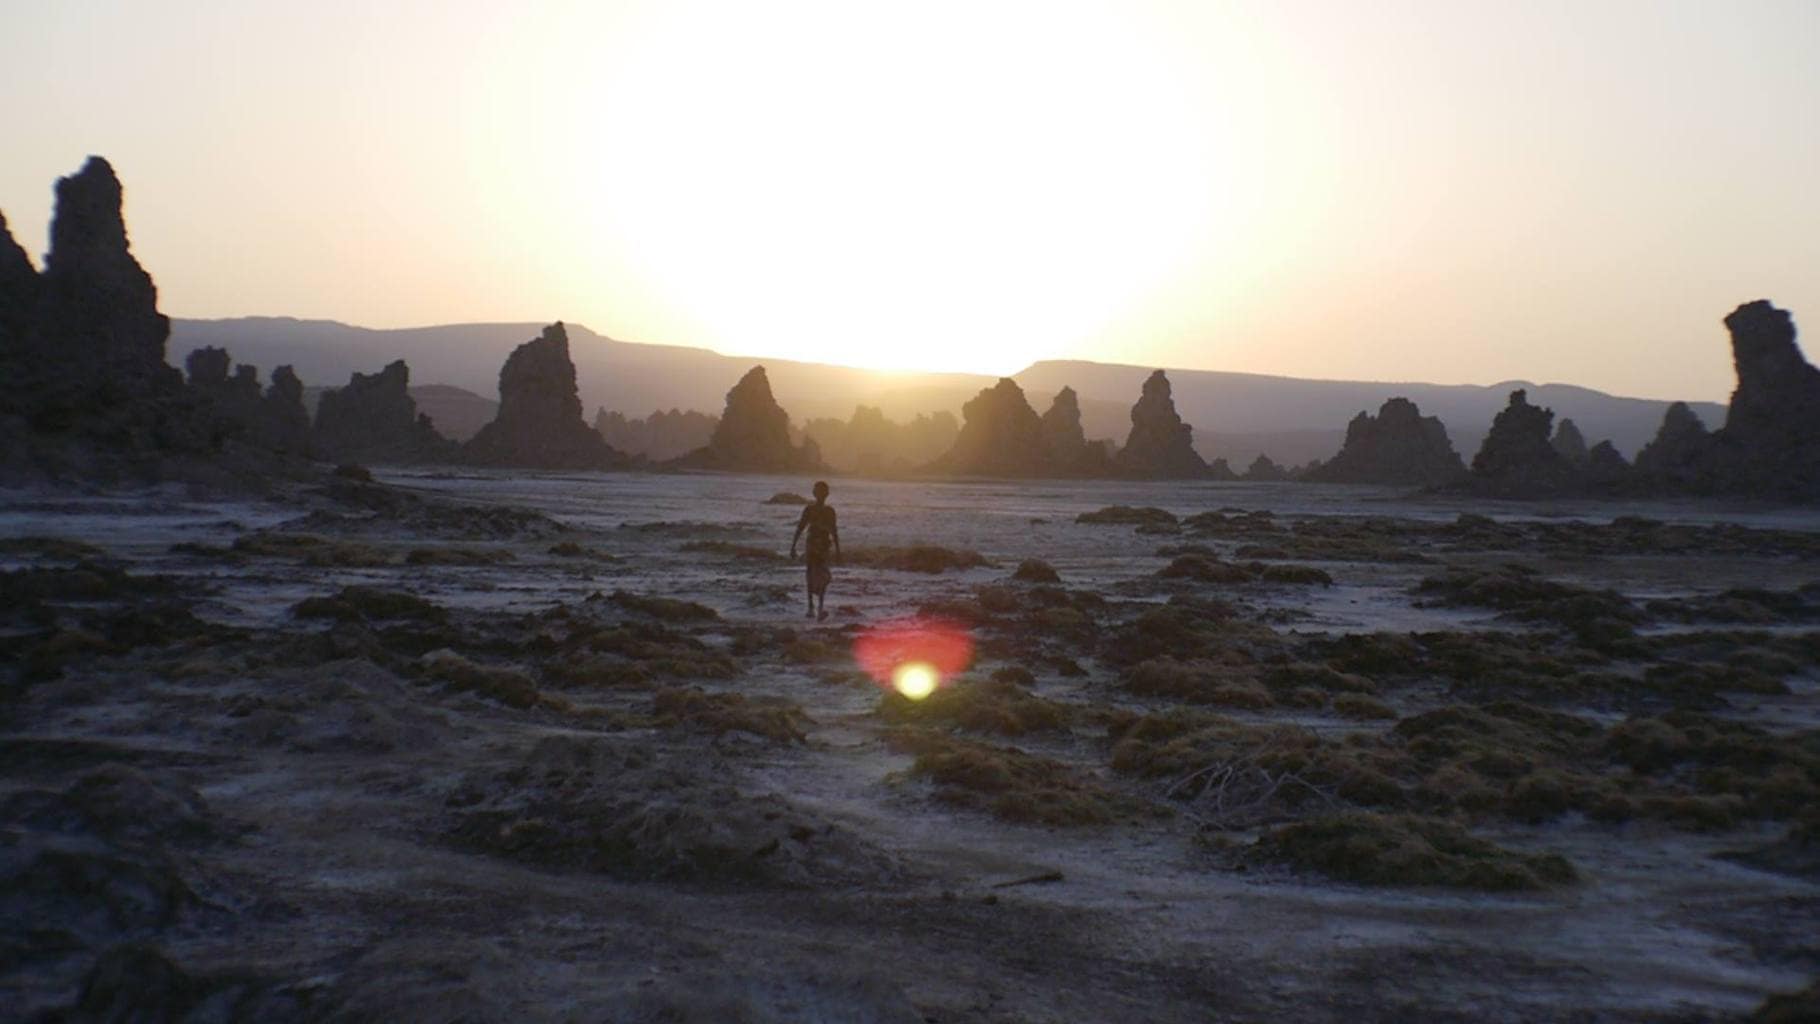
802	523
834	532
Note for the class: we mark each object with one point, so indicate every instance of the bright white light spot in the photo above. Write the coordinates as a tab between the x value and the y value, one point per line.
945	185
915	680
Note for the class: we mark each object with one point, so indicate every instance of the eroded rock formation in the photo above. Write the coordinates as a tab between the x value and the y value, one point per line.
1681	457
373	419
1517	459
97	307
1062	423
1264	469
273	418
18	291
84	388
1606	470
1771	440
1001	435
753	434
1570	443
539	423
1397	446
1069	448
87	338
1160	444
1769	446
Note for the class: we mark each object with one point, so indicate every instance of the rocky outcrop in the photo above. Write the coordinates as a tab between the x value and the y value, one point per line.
18	292
1001	435
1160	444
1397	446
753	435
1769	446
273	419
1606	471
1681	457
97	314
539	423
1062	423
1264	469
1517	459
1069	449
374	420
1771	440
84	388
87	340
85	392
285	426
1570	443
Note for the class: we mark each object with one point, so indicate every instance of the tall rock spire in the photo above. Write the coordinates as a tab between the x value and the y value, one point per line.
539	423
1160	444
97	307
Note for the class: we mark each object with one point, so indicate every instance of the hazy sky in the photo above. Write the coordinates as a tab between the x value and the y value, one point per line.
1451	191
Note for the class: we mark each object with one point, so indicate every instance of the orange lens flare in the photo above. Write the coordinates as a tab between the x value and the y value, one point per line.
914	656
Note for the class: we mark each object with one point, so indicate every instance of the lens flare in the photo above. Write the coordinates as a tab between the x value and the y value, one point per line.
914	656
916	679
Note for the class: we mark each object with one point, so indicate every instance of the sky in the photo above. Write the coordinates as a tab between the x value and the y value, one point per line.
1456	192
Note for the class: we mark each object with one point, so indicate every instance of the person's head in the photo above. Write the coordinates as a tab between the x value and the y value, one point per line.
820	490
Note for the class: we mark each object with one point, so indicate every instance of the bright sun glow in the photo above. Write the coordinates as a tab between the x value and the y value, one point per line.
949	185
916	680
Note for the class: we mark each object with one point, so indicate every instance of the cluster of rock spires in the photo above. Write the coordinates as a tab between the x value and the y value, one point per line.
538	424
1768	447
1001	435
84	386
85	390
273	418
374	419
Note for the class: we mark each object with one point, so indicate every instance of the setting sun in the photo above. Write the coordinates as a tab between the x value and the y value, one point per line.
879	185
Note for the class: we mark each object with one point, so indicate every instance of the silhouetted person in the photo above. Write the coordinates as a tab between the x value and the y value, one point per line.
818	519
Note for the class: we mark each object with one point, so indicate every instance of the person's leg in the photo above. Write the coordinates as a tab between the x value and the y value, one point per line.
809	586
819	576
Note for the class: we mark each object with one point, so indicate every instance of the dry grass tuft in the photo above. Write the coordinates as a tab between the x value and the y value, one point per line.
1011	784
1405	850
721	713
926	558
509	685
990	706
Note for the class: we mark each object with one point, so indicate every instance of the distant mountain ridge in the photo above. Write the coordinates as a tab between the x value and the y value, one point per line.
1235	415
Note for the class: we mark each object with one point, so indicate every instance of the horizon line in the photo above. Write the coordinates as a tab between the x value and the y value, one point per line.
762	358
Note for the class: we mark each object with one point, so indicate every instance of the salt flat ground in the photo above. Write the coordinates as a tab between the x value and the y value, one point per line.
388	827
